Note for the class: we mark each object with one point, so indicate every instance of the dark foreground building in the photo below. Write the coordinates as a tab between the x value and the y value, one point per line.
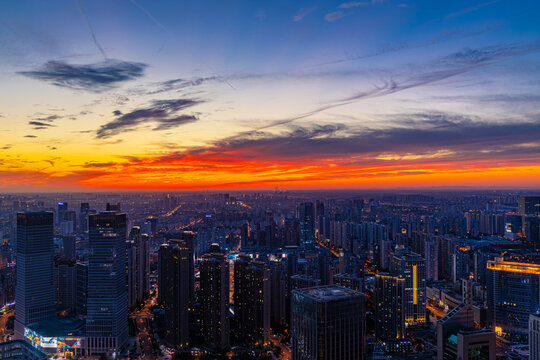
328	324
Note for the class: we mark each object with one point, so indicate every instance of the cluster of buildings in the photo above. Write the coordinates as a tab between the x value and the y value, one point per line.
346	278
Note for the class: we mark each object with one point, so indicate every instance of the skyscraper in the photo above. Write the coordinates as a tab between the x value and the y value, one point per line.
138	266
252	301
34	294
186	239
214	299
529	205
534	337
328	323
389	317
174	282
306	215
411	267
513	293
106	324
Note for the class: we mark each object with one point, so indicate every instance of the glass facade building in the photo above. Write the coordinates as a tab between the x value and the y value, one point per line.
34	294
106	324
328	324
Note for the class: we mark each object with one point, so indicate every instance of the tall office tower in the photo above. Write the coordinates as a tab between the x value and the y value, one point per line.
411	267
306	216
388	296
252	301
534	337
81	297
83	217
513	293
65	281
529	205
349	281
106	323
174	282
34	291
214	299
186	239
328	324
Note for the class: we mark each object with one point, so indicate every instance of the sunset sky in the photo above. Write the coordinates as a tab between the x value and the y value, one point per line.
198	94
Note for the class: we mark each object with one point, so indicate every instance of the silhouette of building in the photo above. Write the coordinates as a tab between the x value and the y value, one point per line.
251	301
328	323
214	299
34	294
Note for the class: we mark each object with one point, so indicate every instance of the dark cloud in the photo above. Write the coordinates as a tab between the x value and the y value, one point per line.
39	125
173	122
6	147
117	112
99	165
488	54
49	118
92	77
30	136
414	133
161	112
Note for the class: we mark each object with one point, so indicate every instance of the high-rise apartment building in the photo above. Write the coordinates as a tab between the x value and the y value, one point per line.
106	323
174	282
328	324
214	299
389	316
34	292
411	267
252	301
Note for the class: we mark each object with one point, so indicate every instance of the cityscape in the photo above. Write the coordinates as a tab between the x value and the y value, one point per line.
269	179
270	275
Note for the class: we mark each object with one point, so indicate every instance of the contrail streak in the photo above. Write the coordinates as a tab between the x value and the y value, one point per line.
149	15
85	16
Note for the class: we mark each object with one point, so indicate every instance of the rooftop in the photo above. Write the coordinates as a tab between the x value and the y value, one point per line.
329	292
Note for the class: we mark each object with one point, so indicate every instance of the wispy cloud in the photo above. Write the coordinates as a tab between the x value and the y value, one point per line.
470	9
333	16
303	13
163	113
353	4
92	77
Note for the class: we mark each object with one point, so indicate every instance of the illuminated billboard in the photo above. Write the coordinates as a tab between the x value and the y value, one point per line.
59	344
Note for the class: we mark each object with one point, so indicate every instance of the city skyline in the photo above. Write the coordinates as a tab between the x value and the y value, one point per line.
380	94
